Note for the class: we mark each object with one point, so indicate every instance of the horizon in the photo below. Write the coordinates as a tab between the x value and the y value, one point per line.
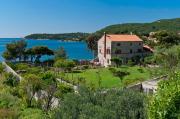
22	17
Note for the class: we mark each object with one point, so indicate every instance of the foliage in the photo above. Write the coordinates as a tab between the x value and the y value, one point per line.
142	28
169	58
63	89
109	80
1	68
60	53
38	51
66	65
167	38
66	36
18	49
22	66
11	80
117	61
165	103
113	104
33	113
92	41
8	101
121	74
9	106
28	87
15	50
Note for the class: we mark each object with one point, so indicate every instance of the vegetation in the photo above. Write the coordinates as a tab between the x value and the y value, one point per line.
142	29
165	104
65	36
60	53
18	50
113	104
101	92
90	77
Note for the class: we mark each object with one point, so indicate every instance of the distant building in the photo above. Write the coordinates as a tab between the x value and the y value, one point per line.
125	47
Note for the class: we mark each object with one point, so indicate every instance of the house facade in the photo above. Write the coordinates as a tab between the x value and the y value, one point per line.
125	47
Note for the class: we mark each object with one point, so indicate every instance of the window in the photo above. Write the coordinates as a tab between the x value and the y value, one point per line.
118	52
119	44
139	50
139	43
131	51
100	51
108	61
108	51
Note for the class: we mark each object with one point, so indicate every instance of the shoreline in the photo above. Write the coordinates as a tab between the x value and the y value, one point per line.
57	40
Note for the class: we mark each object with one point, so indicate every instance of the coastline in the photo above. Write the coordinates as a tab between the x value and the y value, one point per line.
56	40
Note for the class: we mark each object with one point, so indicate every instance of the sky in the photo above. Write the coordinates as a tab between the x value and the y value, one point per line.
22	17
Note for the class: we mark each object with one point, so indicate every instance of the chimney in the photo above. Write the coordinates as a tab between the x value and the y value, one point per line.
131	33
105	44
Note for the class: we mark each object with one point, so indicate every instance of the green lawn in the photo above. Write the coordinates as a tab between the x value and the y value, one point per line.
108	79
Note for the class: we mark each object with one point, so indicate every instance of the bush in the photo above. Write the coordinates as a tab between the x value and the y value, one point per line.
112	104
130	63
113	70
165	104
85	67
140	70
22	66
11	80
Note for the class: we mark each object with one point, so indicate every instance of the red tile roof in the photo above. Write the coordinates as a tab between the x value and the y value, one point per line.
122	37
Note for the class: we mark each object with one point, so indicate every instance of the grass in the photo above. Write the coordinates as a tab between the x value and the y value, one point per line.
108	80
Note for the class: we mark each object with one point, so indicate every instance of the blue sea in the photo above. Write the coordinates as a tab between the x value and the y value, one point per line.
74	50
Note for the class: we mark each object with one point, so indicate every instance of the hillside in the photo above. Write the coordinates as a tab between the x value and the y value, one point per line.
64	36
143	28
140	29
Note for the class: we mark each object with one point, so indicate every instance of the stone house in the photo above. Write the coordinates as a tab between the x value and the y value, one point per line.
125	47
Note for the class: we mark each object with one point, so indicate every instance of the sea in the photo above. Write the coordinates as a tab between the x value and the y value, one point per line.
77	50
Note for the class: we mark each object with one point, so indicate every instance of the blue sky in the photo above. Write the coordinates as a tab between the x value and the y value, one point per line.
22	17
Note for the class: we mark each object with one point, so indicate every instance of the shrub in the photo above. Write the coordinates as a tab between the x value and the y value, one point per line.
22	66
113	70
140	70
11	80
165	104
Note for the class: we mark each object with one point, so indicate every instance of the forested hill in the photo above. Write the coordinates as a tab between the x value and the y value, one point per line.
141	29
172	25
64	36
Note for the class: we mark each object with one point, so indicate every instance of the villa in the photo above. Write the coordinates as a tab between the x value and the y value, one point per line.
125	47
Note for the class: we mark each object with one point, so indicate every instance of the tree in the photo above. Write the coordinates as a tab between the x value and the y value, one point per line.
117	61
92	42
39	51
168	58
30	53
167	38
165	104
100	104
15	50
121	74
65	65
29	87
21	47
50	88
60	53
